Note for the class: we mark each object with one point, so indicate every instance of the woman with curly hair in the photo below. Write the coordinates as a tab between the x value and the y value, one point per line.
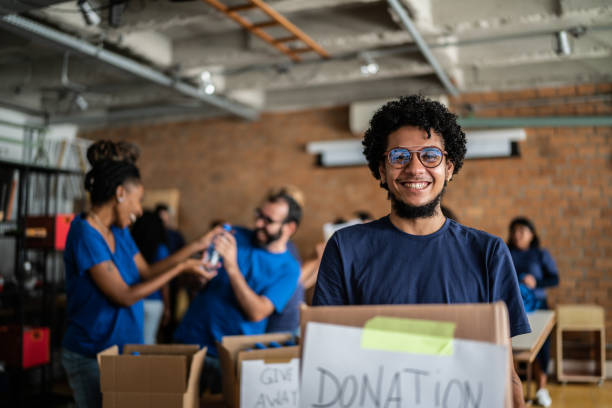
106	276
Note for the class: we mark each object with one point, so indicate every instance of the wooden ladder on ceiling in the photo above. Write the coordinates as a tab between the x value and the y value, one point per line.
276	20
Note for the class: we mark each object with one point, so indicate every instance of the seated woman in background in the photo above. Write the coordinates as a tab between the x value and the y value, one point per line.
536	271
106	276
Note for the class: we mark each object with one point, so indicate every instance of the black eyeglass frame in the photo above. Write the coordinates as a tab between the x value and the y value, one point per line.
259	215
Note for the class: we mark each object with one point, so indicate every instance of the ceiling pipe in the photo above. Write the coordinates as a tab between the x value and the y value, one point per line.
126	64
416	36
544	121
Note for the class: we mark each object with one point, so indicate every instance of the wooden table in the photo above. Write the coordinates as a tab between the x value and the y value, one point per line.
526	347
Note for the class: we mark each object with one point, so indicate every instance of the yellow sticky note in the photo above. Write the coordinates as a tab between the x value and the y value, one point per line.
409	335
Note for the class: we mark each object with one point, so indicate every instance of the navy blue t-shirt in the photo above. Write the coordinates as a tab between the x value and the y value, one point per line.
215	311
539	263
288	320
94	322
376	263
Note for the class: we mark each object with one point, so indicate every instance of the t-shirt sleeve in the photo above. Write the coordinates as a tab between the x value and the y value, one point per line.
89	249
281	290
504	286
330	289
550	274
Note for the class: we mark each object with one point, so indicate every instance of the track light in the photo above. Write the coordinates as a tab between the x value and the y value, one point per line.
370	67
81	102
563	43
89	14
206	83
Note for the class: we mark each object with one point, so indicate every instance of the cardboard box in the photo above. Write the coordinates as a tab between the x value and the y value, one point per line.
481	322
161	376
233	351
25	348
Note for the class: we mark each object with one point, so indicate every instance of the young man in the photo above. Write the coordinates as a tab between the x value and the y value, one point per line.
414	146
257	277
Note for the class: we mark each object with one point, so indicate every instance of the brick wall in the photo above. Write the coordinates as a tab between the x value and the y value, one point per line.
562	180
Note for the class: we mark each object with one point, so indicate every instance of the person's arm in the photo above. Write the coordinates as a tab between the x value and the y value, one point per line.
107	278
254	306
330	288
148	271
550	275
517	387
310	268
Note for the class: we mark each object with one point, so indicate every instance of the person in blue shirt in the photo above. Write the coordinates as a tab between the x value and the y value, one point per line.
536	271
256	278
149	234
415	254
106	276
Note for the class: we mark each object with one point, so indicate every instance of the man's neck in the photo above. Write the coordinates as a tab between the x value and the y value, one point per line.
418	226
277	247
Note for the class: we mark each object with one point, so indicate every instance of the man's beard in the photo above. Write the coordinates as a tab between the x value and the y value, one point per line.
270	238
411	212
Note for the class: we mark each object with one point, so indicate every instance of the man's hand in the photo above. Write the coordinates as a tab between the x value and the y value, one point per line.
225	244
529	281
205	240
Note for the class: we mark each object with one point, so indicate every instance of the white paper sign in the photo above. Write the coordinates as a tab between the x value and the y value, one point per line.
269	385
338	372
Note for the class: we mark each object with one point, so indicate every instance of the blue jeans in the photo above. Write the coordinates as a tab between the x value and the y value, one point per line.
153	312
84	378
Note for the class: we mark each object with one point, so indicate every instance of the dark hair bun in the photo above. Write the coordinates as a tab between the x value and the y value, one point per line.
104	150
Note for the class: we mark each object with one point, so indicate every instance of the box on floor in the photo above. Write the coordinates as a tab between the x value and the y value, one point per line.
151	376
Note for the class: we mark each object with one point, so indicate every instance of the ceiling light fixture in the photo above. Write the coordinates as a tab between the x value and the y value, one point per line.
81	102
370	67
563	43
89	14
206	83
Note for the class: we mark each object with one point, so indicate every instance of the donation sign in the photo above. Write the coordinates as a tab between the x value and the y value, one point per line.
273	385
355	367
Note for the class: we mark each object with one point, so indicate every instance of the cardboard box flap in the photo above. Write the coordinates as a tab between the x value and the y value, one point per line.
155	373
234	344
478	321
111	351
192	398
165	349
142	400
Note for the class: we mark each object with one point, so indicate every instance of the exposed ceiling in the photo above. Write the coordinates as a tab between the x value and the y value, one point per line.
480	45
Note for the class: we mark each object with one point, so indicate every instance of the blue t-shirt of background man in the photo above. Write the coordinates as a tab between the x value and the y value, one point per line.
376	263
94	322
215	311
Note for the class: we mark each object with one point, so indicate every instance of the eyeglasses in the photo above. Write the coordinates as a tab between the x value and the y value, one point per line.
267	220
429	157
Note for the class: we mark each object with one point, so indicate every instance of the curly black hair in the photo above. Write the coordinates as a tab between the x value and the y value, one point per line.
112	165
420	112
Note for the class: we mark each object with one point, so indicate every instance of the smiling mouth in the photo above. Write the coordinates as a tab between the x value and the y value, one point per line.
421	185
132	218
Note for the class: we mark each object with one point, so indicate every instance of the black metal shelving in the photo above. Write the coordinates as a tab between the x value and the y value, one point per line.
28	307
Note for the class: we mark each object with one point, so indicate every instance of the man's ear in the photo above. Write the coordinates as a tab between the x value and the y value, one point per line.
381	170
450	166
290	227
